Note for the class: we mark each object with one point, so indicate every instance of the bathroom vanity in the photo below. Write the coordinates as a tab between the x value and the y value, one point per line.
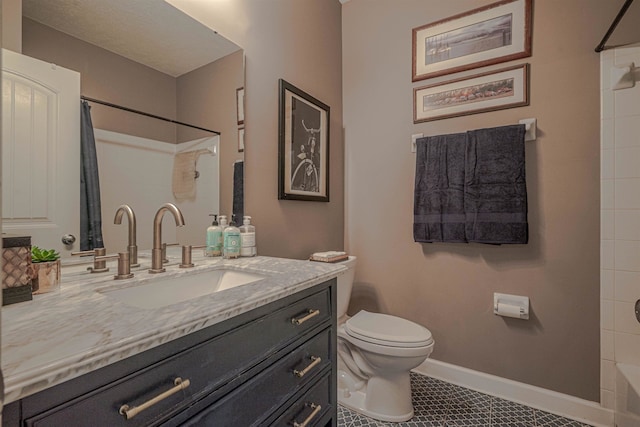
258	354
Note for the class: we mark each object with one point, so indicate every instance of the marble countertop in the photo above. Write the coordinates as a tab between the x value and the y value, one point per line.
77	329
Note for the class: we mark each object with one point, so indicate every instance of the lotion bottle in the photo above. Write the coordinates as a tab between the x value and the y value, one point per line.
247	238
214	238
232	242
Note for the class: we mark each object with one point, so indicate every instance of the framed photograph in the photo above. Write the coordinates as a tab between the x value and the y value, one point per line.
303	152
241	139
494	90
240	105
492	34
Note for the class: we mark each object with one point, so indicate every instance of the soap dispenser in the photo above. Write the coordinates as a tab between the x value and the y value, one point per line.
214	238
223	222
247	238
231	234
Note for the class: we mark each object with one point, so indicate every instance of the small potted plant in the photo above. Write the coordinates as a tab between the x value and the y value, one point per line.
45	265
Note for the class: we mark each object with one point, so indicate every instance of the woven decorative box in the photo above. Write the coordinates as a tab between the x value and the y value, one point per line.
16	269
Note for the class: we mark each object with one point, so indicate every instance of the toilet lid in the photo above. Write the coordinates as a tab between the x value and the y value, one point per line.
387	330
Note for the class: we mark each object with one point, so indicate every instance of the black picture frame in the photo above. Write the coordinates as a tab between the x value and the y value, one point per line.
303	150
240	105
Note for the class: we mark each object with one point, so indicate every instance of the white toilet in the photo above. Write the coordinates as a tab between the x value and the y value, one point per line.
375	354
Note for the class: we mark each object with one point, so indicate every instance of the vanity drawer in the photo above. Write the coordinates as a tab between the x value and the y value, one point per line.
313	406
259	397
207	366
289	323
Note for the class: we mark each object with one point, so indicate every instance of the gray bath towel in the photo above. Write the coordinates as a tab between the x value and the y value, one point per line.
495	199
438	209
238	191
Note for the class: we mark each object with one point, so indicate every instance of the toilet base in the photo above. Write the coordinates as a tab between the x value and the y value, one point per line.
396	396
356	400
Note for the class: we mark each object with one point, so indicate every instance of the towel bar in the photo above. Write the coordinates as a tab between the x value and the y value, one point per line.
529	124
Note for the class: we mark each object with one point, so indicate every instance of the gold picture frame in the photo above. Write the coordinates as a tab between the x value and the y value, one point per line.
488	35
490	91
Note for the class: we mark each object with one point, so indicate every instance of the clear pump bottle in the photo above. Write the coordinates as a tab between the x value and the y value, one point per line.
247	238
232	242
214	238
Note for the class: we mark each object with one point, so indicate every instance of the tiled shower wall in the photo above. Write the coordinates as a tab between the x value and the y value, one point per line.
620	221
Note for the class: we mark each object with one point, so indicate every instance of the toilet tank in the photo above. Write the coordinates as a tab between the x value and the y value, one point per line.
345	284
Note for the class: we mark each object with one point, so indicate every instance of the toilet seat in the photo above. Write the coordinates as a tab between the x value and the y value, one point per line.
387	330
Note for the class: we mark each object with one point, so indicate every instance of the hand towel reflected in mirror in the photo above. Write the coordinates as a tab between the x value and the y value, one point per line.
184	174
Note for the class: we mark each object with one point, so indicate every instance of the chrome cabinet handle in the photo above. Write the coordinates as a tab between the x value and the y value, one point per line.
315	360
129	413
310	313
316	410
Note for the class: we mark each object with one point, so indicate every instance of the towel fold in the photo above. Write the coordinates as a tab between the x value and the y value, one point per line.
438	210
495	192
184	174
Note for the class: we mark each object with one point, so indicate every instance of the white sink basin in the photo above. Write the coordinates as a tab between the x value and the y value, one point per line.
162	292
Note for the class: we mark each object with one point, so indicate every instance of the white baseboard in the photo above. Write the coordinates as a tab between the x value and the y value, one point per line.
535	397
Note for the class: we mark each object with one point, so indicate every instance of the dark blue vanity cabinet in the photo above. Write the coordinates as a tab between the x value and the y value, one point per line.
272	366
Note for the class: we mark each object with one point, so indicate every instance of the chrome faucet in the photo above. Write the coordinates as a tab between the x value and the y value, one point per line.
156	252
132	248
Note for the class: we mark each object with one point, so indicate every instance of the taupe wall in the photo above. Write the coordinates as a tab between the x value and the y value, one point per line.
211	103
109	77
446	287
11	27
299	41
449	287
205	97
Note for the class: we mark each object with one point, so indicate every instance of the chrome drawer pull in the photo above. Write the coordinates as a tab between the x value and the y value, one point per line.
129	413
310	313
315	360
316	410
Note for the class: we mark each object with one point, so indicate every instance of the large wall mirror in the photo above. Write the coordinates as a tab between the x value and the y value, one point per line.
148	56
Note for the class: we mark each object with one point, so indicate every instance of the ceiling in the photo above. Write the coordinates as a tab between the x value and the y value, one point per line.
151	32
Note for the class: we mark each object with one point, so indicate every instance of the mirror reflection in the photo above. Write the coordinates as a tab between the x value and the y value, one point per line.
150	57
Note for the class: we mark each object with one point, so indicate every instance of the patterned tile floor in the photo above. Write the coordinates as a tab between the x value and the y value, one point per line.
440	404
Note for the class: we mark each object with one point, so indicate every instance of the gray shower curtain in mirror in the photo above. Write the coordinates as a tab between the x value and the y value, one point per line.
90	210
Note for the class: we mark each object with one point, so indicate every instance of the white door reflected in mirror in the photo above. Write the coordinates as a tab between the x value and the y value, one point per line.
40	151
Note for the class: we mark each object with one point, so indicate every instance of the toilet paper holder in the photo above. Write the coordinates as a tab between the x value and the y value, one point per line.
515	306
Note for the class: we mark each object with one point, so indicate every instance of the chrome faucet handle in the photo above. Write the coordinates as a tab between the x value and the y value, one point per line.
99	266
124	268
186	255
164	251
